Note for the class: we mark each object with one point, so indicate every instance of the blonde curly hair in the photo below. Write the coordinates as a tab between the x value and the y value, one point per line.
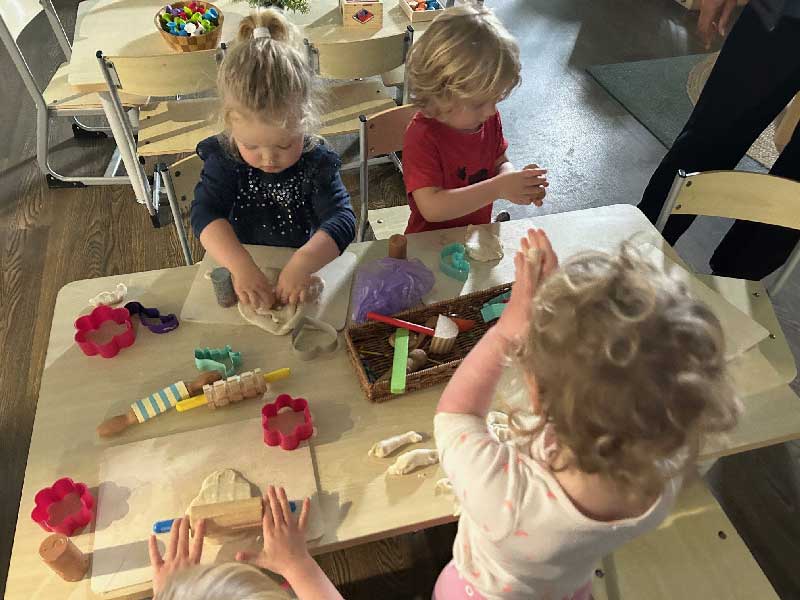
630	369
270	77
466	54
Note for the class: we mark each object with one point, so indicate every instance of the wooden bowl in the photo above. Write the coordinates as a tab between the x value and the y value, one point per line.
207	41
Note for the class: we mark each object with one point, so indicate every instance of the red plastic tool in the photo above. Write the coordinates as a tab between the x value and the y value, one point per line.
51	496
86	324
289	441
400	323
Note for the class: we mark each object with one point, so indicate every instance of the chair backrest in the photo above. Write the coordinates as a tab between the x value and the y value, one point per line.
361	58
185	175
164	75
736	195
385	130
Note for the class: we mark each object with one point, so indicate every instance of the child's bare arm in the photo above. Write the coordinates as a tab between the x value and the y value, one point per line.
521	187
285	549
309	258
250	283
471	388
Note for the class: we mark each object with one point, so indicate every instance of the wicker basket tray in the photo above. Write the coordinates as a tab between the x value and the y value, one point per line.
208	41
374	338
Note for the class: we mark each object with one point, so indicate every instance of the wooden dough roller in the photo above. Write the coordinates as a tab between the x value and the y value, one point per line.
185	396
227	517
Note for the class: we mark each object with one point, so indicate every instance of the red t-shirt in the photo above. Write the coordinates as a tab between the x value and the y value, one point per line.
435	155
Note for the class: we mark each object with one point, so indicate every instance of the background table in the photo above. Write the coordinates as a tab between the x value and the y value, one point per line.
358	502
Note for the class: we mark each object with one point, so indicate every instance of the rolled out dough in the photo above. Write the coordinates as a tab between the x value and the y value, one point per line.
483	244
224	485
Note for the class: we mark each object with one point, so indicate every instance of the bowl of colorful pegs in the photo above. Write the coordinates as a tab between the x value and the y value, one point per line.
189	26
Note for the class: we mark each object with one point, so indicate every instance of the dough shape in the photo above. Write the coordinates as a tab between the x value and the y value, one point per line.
110	298
413	459
483	244
224	485
445	486
281	319
385	447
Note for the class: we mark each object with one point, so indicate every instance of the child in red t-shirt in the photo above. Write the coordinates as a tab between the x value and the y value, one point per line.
454	152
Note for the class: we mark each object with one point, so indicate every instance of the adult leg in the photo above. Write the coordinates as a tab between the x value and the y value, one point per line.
753	250
747	88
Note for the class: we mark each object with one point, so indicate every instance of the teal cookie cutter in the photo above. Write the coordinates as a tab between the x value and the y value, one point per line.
218	359
492	309
453	261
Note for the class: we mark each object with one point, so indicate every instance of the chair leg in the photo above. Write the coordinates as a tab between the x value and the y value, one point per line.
163	173
81	130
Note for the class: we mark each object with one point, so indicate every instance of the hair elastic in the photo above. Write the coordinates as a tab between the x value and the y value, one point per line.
261	32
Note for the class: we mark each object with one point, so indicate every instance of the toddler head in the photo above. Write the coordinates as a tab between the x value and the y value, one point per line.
629	369
463	66
234	581
269	101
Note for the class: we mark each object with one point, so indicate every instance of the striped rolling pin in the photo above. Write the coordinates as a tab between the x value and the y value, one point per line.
156	403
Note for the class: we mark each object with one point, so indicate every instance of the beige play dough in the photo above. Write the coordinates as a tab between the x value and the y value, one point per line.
497	423
413	459
483	244
385	447
224	485
281	318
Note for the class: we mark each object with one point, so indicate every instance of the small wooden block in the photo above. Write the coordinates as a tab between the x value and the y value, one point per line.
60	554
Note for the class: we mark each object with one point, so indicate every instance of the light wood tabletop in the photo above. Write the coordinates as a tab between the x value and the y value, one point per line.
125	27
357	501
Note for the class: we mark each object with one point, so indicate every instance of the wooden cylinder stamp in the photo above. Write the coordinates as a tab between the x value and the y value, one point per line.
222	281
60	554
398	245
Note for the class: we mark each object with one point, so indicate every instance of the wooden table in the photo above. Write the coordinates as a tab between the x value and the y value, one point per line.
359	504
125	28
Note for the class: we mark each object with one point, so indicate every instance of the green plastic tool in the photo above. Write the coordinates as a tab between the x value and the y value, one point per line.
400	362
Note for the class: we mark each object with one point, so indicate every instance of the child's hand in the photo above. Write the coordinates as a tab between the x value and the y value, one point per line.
524	187
534	262
294	283
252	287
284	536
179	554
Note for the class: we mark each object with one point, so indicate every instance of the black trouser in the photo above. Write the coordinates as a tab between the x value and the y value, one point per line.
755	76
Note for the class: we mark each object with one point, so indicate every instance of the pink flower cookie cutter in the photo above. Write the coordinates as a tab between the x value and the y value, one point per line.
87	324
51	496
287	441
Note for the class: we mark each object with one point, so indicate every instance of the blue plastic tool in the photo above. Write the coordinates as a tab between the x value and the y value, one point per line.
163	526
453	261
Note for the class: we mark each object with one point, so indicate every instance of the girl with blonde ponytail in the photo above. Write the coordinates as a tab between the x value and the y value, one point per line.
267	179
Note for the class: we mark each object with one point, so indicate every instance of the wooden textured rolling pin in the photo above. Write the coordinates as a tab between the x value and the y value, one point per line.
227	517
60	554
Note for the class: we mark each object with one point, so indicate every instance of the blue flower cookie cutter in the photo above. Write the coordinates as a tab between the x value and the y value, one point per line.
453	261
218	359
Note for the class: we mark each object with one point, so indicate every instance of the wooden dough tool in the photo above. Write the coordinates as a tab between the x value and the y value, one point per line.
156	404
227	517
233	389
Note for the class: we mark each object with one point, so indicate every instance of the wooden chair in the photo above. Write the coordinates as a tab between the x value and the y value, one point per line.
179	181
787	122
695	553
380	135
180	112
352	60
738	195
57	99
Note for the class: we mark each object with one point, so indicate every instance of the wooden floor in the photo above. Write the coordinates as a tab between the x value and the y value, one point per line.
51	237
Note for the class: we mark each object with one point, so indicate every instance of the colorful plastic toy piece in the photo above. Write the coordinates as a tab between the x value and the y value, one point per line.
152	318
453	262
492	309
87	324
289	441
215	359
212	13
52	496
397	383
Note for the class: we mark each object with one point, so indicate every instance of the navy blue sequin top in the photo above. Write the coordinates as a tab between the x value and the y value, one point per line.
273	209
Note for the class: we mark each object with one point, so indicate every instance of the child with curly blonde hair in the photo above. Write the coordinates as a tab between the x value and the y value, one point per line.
454	152
267	180
626	375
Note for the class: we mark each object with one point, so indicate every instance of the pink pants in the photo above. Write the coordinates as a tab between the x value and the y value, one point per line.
451	586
